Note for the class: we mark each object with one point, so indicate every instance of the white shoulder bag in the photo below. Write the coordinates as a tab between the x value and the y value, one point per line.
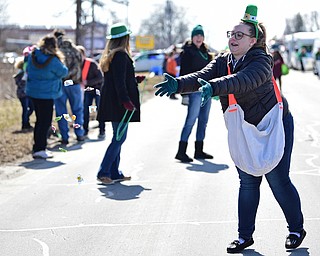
256	150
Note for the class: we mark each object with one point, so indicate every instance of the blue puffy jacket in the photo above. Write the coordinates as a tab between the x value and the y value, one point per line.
45	73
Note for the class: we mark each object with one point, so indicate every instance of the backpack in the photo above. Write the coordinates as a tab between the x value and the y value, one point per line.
73	60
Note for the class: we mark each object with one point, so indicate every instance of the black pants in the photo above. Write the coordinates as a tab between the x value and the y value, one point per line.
44	111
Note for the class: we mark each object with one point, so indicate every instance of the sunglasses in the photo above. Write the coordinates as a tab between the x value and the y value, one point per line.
238	35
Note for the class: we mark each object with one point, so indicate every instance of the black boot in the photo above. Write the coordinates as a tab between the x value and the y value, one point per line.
199	154
181	155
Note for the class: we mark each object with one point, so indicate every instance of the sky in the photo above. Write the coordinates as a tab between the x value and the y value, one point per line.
217	17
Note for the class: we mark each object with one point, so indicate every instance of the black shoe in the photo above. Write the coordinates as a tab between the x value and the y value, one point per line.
27	127
184	158
293	241
202	155
64	142
101	135
81	138
236	247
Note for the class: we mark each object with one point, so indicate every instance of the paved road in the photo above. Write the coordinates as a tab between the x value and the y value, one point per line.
168	208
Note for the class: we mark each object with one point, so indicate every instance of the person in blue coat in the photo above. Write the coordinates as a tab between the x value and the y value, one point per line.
45	71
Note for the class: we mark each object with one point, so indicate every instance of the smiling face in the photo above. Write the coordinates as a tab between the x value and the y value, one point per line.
197	40
240	40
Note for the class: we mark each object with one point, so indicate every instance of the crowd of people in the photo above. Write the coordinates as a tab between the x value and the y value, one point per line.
53	76
58	71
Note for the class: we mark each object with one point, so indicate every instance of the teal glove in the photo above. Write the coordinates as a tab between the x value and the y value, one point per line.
206	91
168	87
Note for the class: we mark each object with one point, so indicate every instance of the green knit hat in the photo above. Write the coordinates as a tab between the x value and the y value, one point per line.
250	16
197	30
118	30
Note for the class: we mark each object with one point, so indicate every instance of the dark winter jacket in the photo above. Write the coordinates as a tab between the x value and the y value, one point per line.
250	82
119	86
72	60
94	76
193	59
278	61
21	84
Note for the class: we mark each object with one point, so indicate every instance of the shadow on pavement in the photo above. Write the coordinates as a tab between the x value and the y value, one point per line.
251	252
121	192
302	251
40	164
207	166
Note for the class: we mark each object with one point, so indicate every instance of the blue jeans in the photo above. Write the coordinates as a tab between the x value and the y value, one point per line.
281	186
109	166
88	100
195	111
74	94
27	110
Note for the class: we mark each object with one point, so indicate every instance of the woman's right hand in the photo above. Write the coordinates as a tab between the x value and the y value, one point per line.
167	87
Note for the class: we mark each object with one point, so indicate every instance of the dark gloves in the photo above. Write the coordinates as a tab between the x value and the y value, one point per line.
140	79
129	105
168	87
206	91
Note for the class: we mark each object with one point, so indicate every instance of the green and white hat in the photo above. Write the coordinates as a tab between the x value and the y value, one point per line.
250	16
118	30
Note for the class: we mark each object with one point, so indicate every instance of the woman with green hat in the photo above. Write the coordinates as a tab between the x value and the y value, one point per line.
119	102
195	56
245	74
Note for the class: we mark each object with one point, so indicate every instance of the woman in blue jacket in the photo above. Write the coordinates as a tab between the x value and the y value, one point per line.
251	84
45	71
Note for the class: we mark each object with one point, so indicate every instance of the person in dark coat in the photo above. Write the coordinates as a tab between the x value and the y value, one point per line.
92	79
195	56
277	63
26	102
251	84
120	102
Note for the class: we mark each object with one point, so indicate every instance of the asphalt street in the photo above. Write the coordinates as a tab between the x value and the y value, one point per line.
168	208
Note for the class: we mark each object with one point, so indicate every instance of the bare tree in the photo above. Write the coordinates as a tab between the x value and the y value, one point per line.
168	25
3	12
307	22
3	18
315	21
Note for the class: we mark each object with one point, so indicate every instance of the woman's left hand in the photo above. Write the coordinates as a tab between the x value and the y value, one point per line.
206	91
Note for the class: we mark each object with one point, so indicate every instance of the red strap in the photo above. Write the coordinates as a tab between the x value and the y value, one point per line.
85	69
232	99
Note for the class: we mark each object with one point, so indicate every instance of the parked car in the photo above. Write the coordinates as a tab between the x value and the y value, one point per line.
316	63
9	57
149	61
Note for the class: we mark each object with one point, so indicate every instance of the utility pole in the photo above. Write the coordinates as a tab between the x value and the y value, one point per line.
78	21
168	20
92	27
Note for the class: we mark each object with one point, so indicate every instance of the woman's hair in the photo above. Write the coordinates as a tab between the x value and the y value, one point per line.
19	64
262	36
48	45
114	45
